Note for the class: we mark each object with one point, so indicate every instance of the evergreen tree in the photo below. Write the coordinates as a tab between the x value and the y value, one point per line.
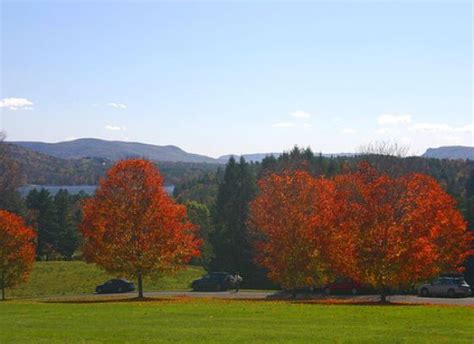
470	185
233	249
68	236
469	215
43	214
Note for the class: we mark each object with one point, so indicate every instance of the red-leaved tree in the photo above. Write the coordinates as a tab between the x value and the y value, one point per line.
132	227
387	232
17	250
293	217
405	229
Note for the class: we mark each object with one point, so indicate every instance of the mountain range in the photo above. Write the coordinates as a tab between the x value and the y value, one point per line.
450	152
116	150
113	150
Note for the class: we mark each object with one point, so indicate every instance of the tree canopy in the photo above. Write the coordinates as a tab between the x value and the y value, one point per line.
132	227
380	230
17	250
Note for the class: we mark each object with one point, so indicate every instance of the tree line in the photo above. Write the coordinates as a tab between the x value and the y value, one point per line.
218	205
227	196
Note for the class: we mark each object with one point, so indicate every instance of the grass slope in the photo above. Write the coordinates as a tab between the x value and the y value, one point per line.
76	277
207	321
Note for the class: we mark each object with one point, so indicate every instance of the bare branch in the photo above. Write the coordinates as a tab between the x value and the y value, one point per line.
385	148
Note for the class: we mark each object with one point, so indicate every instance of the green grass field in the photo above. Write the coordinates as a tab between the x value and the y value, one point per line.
207	321
76	277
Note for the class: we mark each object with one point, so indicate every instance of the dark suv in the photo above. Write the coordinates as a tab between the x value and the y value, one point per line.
214	281
116	285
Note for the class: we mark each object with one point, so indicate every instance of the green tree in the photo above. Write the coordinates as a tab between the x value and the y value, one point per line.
470	185
469	215
231	241
200	216
68	235
43	216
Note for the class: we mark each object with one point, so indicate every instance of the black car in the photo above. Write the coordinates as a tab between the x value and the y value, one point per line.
214	281
116	285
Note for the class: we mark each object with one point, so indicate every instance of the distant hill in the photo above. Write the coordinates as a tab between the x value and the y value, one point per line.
42	169
38	168
113	150
450	152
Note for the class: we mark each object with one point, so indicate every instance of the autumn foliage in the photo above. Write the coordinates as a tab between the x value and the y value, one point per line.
294	214
17	250
132	227
382	231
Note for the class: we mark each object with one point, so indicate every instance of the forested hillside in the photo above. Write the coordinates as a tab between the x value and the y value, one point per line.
41	169
113	150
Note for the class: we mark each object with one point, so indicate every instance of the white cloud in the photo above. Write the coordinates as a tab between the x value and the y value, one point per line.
300	114
349	131
284	125
441	128
394	119
307	125
453	139
16	104
382	131
117	105
114	128
431	127
468	128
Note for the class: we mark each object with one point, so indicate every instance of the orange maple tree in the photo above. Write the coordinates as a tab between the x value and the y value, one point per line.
17	250
293	218
382	231
132	227
404	229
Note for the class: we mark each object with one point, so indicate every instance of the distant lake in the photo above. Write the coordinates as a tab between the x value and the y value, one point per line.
72	189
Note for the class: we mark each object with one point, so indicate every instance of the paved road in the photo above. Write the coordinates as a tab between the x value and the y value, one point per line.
256	295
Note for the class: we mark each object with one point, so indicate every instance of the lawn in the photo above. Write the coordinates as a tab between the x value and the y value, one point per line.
76	277
206	321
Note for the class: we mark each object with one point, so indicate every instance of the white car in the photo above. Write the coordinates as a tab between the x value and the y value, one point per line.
445	286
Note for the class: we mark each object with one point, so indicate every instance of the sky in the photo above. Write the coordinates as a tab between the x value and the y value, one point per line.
239	77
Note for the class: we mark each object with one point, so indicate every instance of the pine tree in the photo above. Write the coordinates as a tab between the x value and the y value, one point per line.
233	247
68	236
43	213
470	185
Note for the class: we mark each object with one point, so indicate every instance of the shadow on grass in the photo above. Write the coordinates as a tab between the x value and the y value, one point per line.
107	300
337	300
282	301
332	302
321	300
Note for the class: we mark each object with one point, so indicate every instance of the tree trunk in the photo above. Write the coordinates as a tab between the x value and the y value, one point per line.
140	286
3	293
383	296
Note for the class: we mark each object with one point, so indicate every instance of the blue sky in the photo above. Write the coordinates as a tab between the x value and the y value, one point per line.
242	77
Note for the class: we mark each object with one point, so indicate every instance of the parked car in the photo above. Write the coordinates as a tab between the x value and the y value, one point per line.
117	285
344	286
445	286
214	281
